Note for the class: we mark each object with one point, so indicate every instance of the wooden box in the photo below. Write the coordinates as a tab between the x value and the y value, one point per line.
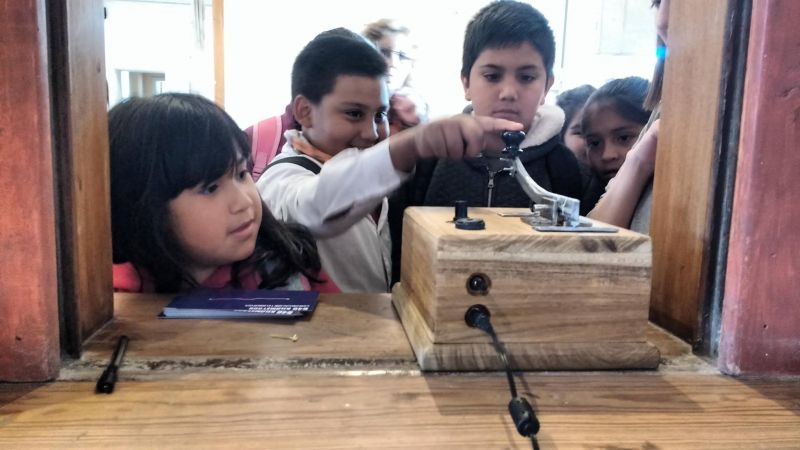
559	301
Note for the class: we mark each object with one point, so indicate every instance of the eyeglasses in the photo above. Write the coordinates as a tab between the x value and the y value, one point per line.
391	54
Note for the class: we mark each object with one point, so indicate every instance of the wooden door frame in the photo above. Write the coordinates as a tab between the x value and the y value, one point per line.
81	170
218	13
689	149
29	339
760	332
724	215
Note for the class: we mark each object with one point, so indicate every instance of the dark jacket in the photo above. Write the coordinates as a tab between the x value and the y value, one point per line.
441	183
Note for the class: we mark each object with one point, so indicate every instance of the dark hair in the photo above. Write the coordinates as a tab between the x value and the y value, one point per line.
625	96
571	101
331	54
161	146
508	23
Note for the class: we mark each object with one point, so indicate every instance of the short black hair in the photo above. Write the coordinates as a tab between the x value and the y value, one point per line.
330	54
571	101
626	96
508	23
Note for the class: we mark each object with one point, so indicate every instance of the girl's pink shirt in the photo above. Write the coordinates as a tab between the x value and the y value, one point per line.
127	279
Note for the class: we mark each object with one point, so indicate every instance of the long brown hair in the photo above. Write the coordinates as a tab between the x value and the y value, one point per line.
654	93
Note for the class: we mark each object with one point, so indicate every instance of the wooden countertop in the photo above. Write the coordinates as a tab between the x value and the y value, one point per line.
350	381
640	410
345	331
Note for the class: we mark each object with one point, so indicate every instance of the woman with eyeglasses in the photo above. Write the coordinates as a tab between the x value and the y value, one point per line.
407	108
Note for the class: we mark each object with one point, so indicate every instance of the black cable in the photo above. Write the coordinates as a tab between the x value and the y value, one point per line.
501	351
105	385
477	316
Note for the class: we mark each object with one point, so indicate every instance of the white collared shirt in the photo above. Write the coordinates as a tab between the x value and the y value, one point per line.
335	205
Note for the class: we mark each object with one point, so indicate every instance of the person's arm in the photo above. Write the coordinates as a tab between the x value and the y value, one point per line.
618	204
351	184
348	187
456	138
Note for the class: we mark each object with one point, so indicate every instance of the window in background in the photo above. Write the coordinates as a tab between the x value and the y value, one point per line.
596	40
139	84
604	39
155	46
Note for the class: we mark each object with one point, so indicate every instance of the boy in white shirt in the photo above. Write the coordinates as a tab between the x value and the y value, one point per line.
333	175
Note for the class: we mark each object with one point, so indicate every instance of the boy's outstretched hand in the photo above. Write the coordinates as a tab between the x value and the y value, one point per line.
457	137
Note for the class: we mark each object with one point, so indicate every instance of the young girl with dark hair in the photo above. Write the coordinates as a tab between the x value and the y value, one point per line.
613	118
185	212
629	196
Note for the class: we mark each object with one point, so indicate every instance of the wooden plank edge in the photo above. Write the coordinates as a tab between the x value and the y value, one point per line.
530	357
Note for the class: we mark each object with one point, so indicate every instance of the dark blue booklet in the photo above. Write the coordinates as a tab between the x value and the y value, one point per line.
241	304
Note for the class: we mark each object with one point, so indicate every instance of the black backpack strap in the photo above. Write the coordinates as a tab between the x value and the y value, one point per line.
301	161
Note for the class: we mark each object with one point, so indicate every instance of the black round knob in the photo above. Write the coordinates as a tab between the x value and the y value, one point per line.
512	139
478	284
470	223
461	210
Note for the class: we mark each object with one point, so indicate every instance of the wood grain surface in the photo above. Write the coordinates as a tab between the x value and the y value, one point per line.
29	341
352	404
351	330
545	287
81	147
577	411
761	333
544	355
686	164
218	18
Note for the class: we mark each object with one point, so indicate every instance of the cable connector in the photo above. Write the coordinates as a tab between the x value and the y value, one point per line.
477	316
522	414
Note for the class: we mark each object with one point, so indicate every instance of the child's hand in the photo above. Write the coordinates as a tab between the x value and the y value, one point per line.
645	150
458	137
